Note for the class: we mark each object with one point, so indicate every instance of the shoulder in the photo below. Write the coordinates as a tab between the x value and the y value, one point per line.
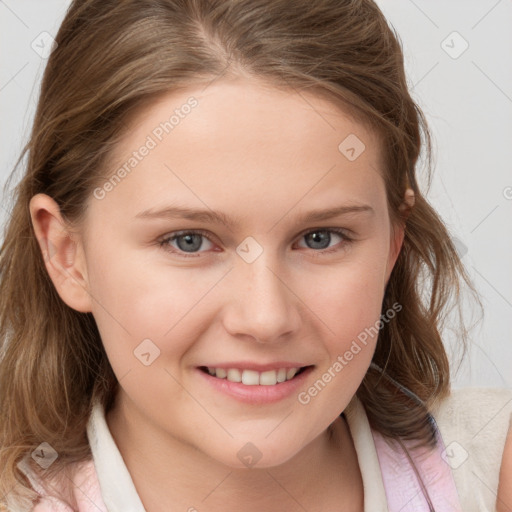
479	413
74	489
474	423
476	420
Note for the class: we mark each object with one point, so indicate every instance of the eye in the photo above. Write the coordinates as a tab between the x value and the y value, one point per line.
188	243
321	238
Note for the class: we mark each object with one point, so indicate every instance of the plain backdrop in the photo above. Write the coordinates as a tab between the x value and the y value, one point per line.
458	61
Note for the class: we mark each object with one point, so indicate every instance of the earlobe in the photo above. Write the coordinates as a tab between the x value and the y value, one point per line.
62	253
408	203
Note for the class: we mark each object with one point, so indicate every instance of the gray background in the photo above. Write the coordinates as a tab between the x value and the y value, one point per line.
466	96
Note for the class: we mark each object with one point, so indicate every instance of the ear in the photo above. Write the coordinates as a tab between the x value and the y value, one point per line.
397	239
398	231
62	253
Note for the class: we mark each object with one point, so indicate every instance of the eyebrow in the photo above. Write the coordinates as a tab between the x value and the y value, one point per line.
213	217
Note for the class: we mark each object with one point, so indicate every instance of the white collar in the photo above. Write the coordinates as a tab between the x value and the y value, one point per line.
116	484
374	493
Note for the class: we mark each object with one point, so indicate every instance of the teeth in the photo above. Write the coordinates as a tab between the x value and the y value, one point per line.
221	373
234	375
254	378
291	373
250	378
268	378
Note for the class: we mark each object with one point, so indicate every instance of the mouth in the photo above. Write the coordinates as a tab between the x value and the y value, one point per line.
255	378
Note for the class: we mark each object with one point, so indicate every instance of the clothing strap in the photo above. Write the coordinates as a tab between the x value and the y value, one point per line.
403	489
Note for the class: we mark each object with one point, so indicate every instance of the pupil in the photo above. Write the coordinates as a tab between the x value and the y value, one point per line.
322	237
190	239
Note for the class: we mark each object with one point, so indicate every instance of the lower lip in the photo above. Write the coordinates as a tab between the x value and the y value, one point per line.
257	394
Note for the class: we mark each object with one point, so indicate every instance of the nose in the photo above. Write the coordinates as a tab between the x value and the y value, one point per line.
262	305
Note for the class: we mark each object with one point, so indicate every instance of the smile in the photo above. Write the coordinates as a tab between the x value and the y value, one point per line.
252	377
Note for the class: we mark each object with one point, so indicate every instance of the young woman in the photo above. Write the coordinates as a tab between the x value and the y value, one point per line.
221	286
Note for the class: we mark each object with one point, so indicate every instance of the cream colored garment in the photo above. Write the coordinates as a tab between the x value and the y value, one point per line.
474	423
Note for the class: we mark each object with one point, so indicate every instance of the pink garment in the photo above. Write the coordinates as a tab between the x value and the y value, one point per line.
84	489
402	488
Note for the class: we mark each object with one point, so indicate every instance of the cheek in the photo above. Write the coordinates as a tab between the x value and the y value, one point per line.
135	300
347	297
347	311
347	306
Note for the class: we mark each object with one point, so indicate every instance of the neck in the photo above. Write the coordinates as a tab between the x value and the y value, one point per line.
167	471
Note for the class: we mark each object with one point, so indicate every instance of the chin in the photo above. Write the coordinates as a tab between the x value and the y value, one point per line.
256	455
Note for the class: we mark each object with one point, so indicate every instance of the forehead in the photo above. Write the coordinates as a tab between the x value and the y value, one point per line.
246	139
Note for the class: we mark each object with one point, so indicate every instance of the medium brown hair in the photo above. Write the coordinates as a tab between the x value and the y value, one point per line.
111	60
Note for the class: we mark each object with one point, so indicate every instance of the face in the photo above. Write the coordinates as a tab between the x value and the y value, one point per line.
255	282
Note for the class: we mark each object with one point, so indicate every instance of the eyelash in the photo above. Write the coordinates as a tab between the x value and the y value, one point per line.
164	243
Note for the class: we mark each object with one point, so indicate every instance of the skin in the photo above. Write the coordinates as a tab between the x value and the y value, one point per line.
264	157
504	500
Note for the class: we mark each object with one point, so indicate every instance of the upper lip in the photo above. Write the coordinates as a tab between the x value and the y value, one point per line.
246	365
